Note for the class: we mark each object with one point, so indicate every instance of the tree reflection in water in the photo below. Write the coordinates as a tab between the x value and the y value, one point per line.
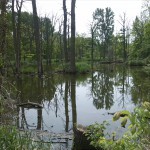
102	89
111	88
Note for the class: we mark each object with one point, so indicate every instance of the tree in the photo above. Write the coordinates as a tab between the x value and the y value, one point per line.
72	54
92	32
37	39
124	28
146	10
138	34
16	21
27	34
3	29
98	18
65	31
104	20
48	34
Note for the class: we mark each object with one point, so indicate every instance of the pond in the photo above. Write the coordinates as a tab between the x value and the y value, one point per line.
80	99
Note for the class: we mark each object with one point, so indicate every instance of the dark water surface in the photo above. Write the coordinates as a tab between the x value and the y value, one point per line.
80	99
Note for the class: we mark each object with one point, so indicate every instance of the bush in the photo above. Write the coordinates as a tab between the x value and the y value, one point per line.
29	69
136	138
12	139
82	67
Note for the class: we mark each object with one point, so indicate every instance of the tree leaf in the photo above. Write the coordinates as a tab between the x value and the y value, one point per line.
125	113
133	129
124	121
116	116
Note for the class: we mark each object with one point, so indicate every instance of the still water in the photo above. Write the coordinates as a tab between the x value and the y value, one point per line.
80	99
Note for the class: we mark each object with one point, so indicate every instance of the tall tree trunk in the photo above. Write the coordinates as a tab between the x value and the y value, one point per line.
65	31
3	29
47	42
16	23
124	44
68	43
92	50
14	29
72	54
37	38
18	33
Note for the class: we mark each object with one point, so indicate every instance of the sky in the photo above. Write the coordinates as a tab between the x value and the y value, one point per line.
85	9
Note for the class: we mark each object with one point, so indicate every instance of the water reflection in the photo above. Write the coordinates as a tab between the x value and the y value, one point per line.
107	89
80	99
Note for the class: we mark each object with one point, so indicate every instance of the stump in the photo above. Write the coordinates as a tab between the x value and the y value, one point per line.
80	140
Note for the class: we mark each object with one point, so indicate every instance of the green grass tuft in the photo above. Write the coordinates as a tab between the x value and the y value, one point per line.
82	67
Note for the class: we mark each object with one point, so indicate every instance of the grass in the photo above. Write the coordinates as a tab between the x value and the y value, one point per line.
12	139
82	67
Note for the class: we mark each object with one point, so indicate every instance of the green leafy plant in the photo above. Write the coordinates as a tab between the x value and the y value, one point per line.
124	114
82	67
137	136
12	139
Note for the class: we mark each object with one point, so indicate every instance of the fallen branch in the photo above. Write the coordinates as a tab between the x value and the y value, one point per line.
30	105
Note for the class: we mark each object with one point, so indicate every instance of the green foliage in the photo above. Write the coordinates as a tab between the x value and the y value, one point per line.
140	45
82	67
1	62
137	63
104	22
29	69
95	134
116	116
147	69
12	139
123	114
136	138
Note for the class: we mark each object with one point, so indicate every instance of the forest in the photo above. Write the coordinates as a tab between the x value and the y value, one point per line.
32	44
53	79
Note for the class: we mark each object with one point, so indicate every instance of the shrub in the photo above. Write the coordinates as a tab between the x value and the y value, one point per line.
136	138
82	67
12	139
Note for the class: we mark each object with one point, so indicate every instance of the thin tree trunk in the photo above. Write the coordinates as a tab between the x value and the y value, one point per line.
3	29
37	38
18	33
65	31
92	50
14	28
72	56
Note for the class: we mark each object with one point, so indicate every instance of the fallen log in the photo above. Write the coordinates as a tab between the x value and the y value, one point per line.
30	105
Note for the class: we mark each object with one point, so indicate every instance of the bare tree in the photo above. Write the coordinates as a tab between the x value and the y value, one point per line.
16	22
93	27
65	31
124	28
72	54
37	38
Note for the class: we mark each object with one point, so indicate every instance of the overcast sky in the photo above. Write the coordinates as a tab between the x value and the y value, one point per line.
85	9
